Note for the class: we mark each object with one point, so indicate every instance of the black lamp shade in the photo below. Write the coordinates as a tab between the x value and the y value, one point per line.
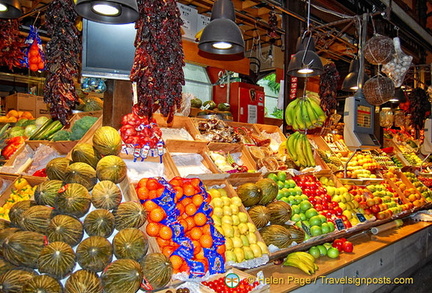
128	11
13	9
350	83
305	58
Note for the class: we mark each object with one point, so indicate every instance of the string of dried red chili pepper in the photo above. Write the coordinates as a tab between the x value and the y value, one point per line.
159	59
11	43
329	82
62	54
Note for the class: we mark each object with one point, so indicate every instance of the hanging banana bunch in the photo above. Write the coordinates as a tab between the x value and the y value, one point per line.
300	150
304	113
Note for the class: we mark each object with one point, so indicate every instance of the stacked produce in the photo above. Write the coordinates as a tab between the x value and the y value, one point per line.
423	184
304	113
13	116
300	150
21	190
226	163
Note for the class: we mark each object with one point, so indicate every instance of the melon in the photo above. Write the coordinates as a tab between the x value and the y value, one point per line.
122	275
13	281
36	218
5	266
73	199
42	284
17	209
269	190
157	269
107	141
57	259
277	235
65	228
85	153
99	222
4	224
94	253
111	168
46	192
279	211
56	168
5	233
106	195
130	243
83	281
259	215
22	248
249	193
129	214
297	234
81	173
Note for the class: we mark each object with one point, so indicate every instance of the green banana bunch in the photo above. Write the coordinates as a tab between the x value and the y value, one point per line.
300	150
304	113
302	260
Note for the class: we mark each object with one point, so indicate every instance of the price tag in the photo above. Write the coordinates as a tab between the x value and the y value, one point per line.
361	217
339	224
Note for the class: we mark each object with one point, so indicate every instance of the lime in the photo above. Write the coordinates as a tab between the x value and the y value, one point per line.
315	230
315	220
281	175
322	250
323	218
303	216
315	252
304	197
272	176
305	205
296	218
291	200
325	228
333	252
311	213
295	209
280	184
331	226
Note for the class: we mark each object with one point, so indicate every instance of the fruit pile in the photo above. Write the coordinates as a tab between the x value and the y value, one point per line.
409	191
20	190
362	165
332	250
422	183
412	159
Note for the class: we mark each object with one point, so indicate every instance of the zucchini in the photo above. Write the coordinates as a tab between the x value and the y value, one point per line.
36	134
51	129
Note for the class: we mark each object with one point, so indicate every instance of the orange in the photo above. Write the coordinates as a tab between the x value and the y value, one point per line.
142	182
176	181
181	208
197	247
200	219
195	182
165	232
150	205
27	115
153	184
186	201
206	229
221	249
143	193
190	223
200	255
190	209
189	189
12	113
183	223
152	229
206	241
176	261
162	242
157	215
179	192
197	200
195	233
168	250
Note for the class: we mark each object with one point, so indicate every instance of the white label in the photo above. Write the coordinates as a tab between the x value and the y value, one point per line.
252	114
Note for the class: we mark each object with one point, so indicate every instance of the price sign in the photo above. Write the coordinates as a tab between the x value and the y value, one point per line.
361	217
339	224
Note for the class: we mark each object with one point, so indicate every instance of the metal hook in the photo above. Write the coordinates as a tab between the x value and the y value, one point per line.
37	16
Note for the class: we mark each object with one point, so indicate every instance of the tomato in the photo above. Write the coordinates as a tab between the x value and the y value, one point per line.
338	243
347	246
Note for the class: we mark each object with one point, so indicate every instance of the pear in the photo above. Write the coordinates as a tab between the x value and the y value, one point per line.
252	238
237	242
243	228
245	240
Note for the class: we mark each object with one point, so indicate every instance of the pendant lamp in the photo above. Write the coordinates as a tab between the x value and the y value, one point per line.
305	62
10	9
108	11
350	83
222	35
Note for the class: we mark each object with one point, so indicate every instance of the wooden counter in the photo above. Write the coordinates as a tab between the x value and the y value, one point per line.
383	257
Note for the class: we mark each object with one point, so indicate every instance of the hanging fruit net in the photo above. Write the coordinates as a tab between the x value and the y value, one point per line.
397	68
379	50
378	90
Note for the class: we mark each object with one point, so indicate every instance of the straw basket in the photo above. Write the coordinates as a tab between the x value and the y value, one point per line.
378	90
379	50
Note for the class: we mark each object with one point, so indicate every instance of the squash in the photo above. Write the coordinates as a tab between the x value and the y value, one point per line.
99	223
277	235
73	200
22	248
249	193
5	266
57	259
36	218
81	173
111	168
129	214
46	192
107	141
130	243
279	211
13	281
56	168
65	228
94	253
85	153
106	195
269	190
83	281
122	275
157	269
42	284
260	215
17	209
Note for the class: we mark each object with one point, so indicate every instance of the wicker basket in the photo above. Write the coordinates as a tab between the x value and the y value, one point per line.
379	50
378	90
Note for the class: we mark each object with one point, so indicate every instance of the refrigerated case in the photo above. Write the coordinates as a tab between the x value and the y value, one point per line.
246	101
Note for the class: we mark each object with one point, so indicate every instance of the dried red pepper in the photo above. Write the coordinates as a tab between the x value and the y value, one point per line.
11	43
329	82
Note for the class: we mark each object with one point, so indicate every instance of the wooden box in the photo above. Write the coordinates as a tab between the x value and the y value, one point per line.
32	180
179	123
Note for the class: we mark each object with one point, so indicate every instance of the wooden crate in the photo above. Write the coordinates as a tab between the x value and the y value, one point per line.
270	131
178	122
32	180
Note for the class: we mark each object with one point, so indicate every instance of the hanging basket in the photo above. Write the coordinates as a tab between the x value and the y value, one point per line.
378	90
379	50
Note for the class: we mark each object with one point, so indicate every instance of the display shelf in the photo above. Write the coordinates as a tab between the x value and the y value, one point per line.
179	123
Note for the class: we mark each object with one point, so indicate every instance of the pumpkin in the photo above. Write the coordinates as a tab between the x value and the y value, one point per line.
84	152
57	259
111	168
36	218
260	215
83	281
73	199
65	228
107	141
269	190
129	214
4	224
5	233
56	168
46	192
94	253
22	248
99	223
13	281
249	193
106	195
279	211
157	269
42	284
130	243
277	235
5	266
122	275
81	173
17	209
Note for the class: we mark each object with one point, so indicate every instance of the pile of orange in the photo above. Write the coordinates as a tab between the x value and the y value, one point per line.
13	116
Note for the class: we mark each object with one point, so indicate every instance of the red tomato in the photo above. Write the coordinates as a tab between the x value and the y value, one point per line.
347	246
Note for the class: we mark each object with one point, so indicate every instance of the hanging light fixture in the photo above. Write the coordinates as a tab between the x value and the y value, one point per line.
350	83
222	35
108	11
10	9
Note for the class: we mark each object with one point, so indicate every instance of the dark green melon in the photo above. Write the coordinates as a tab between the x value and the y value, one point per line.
111	168
4	224
46	192
122	275
5	233
85	153
43	284
297	234
13	281
94	253
73	199
106	195
249	193
269	190
5	266
157	269
57	259
22	248
259	215
130	243
107	141
83	281
56	168
17	209
130	214
81	173
99	222
36	218
277	235
280	212
65	228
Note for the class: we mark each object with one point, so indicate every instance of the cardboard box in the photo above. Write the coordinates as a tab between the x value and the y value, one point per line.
42	108
26	102
189	17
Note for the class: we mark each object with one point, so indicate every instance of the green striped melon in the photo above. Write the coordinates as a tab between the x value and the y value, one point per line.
36	218
81	173
122	275
94	253
43	284
129	214
22	248
57	259
157	269
13	281
56	168
106	195
65	228
83	281
5	266
5	233
130	243
107	141
4	224
46	192
99	222
73	199
17	209
111	168
85	153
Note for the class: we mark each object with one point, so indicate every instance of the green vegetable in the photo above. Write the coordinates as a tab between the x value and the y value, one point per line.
81	126
61	135
29	130
16	131
46	130
21	122
41	120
